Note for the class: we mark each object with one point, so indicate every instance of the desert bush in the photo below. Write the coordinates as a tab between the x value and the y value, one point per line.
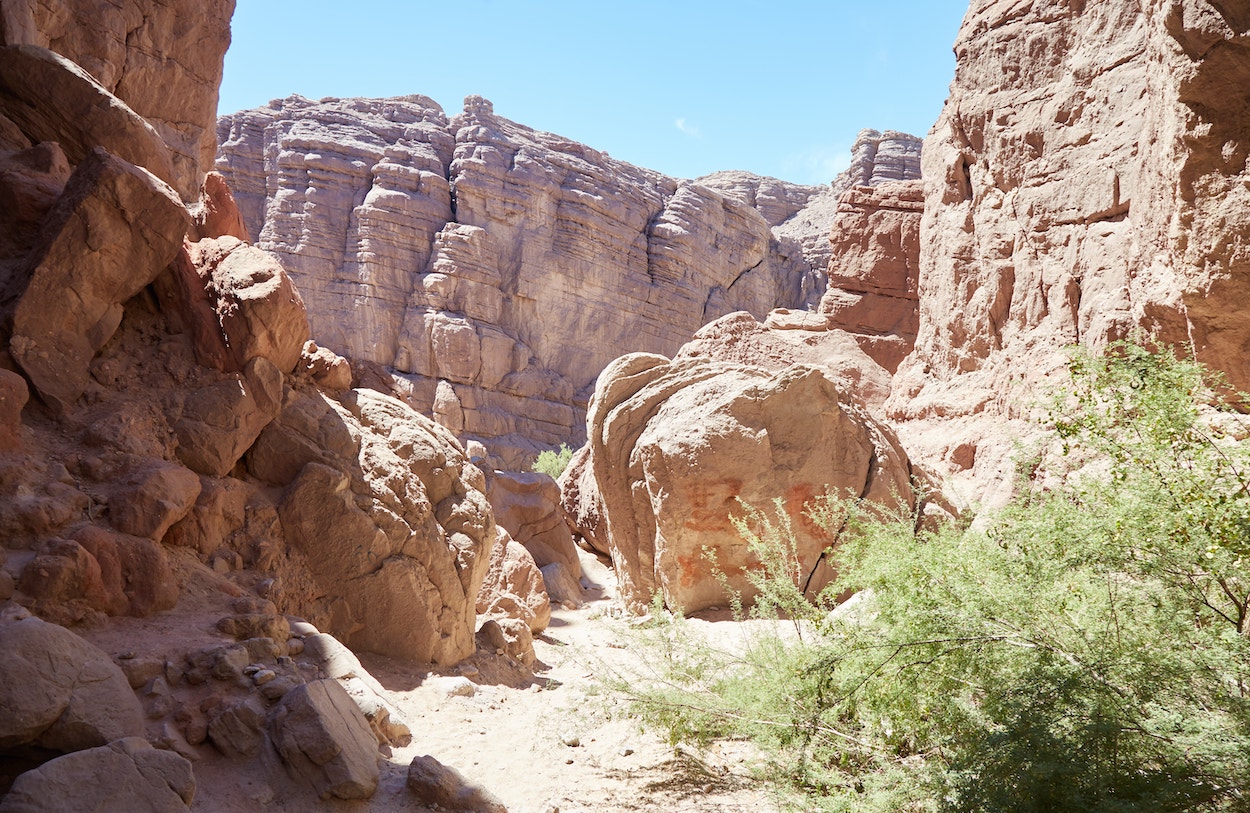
1085	650
553	462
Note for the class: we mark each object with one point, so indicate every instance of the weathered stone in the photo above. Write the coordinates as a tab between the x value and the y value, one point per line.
51	98
325	740
436	784
222	421
527	504
236	729
513	586
13	397
217	214
874	269
257	307
30	182
164	60
136	568
127	774
390	517
59	691
679	448
511	637
89	260
153	499
328	370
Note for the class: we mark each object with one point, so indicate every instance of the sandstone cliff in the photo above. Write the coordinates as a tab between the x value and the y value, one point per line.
498	269
1085	176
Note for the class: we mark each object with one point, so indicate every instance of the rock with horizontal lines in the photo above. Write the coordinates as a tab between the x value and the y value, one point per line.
497	269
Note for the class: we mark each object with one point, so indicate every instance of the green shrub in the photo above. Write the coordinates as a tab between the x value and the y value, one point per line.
1086	650
553	462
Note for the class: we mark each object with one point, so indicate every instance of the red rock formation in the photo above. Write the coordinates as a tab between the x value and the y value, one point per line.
163	60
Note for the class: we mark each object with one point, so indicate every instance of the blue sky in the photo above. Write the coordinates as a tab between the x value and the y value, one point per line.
686	87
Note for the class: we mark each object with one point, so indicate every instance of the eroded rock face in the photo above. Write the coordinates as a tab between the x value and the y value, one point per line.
874	268
1086	176
164	60
497	268
390	516
677	447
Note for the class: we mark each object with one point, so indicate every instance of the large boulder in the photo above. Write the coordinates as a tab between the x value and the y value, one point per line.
127	774
51	98
390	516
59	691
527	504
88	260
325	740
679	448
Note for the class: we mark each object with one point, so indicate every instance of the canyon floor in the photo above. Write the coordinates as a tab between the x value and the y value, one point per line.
512	734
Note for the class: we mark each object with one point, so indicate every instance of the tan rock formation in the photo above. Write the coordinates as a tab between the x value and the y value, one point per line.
129	773
527	504
513	586
498	268
163	60
87	261
874	269
390	516
678	447
1084	177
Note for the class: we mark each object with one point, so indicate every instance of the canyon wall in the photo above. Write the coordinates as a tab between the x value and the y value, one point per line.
496	269
1087	175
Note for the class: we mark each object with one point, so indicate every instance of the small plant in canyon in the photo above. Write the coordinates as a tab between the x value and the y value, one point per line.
553	462
1087	649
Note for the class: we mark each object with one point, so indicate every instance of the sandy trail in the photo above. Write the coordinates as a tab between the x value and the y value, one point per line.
512	734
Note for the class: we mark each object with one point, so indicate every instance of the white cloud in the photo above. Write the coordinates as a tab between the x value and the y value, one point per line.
688	128
816	165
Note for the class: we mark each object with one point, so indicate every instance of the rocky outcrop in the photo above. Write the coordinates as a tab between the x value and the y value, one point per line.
679	448
874	269
1086	176
86	262
498	269
390	517
162	60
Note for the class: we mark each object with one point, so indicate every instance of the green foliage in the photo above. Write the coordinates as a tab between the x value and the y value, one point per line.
1086	650
552	462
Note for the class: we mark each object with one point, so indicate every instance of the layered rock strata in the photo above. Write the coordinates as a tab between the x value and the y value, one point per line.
874	269
498	269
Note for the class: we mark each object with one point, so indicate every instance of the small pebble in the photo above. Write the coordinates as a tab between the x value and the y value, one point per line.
263	676
571	740
627	752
